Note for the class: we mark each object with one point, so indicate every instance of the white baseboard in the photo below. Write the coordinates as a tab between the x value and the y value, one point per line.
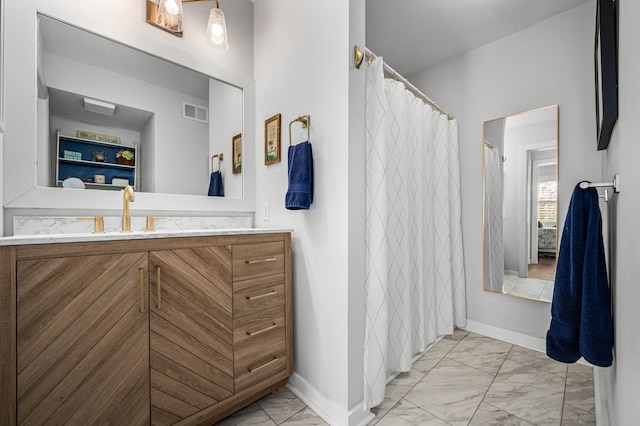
513	337
326	407
603	384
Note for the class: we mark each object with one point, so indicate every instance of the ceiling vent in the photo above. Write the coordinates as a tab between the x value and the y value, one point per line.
195	112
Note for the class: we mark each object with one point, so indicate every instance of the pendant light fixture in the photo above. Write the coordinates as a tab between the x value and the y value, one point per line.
217	29
170	15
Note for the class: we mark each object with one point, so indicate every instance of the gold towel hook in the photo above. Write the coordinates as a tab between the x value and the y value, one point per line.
306	121
220	157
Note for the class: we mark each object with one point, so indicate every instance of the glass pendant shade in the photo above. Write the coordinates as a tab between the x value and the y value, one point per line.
170	15
217	30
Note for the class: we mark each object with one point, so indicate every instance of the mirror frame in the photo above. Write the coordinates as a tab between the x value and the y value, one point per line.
521	205
20	184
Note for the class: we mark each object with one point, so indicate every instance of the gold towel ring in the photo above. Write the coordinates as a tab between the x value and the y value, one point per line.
305	120
220	158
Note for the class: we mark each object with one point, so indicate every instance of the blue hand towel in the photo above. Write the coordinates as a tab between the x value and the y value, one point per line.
581	322
300	192
216	189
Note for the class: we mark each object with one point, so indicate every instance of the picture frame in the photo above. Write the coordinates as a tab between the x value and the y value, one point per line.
606	71
272	130
97	137
236	149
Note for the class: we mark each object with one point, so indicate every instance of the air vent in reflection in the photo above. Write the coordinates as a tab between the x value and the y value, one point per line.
195	112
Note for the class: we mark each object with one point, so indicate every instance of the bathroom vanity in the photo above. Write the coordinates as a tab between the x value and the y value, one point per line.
143	328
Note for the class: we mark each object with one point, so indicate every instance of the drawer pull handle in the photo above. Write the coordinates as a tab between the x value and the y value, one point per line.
159	287
253	333
268	259
141	273
260	296
260	367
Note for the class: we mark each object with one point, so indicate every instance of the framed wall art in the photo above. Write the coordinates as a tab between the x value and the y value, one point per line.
236	148
606	71
272	140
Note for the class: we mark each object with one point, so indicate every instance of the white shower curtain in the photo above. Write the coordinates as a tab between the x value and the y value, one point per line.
493	225
415	288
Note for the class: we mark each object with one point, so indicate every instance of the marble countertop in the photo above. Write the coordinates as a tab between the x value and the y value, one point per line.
135	235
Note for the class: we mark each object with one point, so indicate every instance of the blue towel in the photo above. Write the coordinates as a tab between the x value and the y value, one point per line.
300	193
216	189
581	322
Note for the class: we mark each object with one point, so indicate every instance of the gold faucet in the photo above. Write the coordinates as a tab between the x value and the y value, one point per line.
98	223
126	198
151	222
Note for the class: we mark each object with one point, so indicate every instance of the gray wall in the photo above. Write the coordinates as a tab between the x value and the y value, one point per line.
545	64
621	381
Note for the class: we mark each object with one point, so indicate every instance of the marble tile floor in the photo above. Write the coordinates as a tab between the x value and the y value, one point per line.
531	288
464	379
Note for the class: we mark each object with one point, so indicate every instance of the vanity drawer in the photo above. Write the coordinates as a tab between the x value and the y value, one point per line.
260	350
251	296
257	260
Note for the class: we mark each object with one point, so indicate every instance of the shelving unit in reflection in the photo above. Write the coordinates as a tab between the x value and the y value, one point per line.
85	159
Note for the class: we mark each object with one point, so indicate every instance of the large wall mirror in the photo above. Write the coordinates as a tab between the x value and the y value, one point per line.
520	180
177	118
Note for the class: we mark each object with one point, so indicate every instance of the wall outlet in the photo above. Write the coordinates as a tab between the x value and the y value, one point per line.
266	211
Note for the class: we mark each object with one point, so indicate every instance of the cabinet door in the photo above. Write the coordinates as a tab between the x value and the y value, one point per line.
83	342
191	331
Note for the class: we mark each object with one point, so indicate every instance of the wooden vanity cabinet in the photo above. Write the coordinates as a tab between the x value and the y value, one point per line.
82	341
191	331
164	331
259	312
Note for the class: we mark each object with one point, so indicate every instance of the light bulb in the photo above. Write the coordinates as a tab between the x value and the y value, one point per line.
217	30
171	7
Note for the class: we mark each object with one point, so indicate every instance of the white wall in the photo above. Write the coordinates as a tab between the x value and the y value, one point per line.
622	381
225	121
69	127
2	108
303	66
44	174
148	156
545	64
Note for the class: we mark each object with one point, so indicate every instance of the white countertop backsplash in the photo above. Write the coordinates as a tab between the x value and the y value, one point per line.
46	225
47	229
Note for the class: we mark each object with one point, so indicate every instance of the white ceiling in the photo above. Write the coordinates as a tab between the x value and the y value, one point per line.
413	35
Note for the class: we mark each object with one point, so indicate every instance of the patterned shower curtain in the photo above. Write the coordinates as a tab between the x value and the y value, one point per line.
493	225
415	287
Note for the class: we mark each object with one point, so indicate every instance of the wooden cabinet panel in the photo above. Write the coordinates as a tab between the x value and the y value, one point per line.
257	260
255	295
8	360
191	331
82	340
